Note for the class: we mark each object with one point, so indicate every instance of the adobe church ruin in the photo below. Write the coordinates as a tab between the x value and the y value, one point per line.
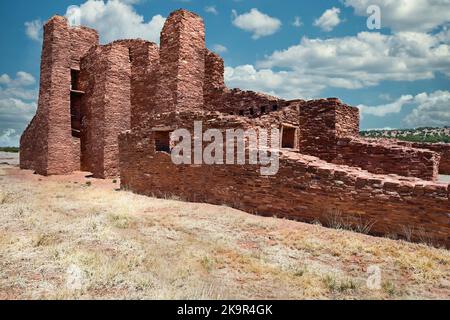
110	109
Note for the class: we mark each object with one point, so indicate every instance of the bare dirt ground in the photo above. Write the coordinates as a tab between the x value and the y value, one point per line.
9	158
76	237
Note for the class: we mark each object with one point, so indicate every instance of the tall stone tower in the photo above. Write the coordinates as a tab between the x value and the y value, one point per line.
182	63
105	83
51	144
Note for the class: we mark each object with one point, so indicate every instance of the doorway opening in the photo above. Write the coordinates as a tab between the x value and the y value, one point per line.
288	137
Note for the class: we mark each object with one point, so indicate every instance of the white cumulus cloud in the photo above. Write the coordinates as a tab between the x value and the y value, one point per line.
256	22
433	110
115	20
18	97
9	138
427	109
33	29
211	9
18	87
351	62
385	109
284	84
407	15
329	19
219	48
297	22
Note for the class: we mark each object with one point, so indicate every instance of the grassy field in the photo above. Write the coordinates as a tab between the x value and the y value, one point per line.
74	237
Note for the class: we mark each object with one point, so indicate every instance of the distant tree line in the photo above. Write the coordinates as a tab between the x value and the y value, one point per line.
425	138
9	149
424	134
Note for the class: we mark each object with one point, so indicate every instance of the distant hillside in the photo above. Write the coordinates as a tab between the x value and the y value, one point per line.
425	134
9	149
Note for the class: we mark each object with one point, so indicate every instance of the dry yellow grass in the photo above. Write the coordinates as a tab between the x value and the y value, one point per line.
62	238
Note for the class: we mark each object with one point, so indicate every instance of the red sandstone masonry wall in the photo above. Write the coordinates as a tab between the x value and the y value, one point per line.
347	120
47	145
217	97
249	103
182	63
94	67
385	158
117	106
214	83
144	58
105	79
318	136
81	41
305	189
442	148
329	130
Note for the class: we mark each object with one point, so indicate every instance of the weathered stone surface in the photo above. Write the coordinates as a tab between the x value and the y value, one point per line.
144	58
117	102
47	145
306	188
105	106
443	149
329	130
386	157
181	63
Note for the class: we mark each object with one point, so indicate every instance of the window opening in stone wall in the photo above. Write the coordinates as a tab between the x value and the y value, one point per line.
75	114
75	103
74	78
288	137
162	141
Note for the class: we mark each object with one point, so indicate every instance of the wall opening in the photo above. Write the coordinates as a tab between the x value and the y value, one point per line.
263	109
74	77
288	137
75	103
130	57
75	114
162	141
275	107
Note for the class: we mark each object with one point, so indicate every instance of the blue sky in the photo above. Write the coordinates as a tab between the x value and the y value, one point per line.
397	75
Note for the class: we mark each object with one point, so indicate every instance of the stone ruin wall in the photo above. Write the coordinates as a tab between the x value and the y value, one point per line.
47	145
442	148
133	84
384	158
306	188
144	56
317	128
181	63
105	81
330	131
392	205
